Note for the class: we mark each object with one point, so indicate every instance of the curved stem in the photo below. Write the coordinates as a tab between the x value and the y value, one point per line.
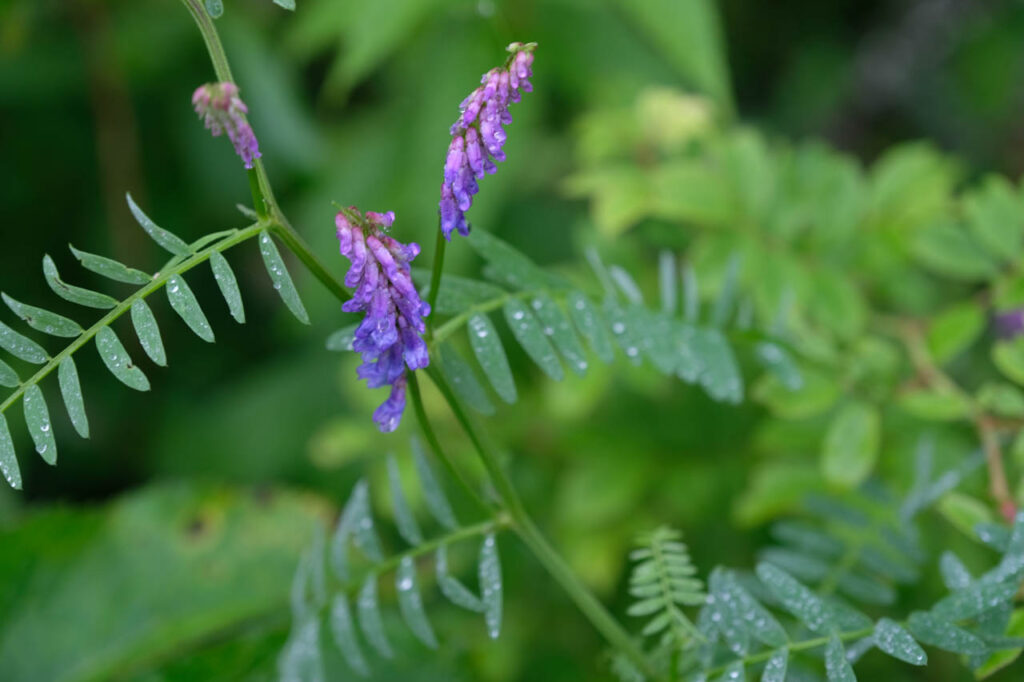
435	444
297	245
791	647
435	274
532	537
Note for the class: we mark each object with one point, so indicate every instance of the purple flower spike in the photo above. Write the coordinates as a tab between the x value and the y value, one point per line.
1010	323
479	135
221	109
390	337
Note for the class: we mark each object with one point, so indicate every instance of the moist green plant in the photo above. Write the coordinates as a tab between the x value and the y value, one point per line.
838	299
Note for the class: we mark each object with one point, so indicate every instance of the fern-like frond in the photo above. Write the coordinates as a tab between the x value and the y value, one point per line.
555	323
662	583
354	607
170	277
788	606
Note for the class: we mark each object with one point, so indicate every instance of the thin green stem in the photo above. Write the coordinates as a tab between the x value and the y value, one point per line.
531	535
792	646
297	245
124	306
259	202
219	59
440	247
498	522
435	444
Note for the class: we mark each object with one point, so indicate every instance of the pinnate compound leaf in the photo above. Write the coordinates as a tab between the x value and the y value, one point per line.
184	302
410	603
43	320
433	493
8	459
455	591
591	324
21	346
406	522
117	360
557	327
280	277
344	631
531	337
955	575
939	632
463	381
148	331
491	585
836	666
483	339
167	240
851	445
37	419
796	597
109	268
370	622
8	377
71	390
891	638
775	668
77	295
458	294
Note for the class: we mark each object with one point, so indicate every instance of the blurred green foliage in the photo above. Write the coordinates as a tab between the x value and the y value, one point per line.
162	548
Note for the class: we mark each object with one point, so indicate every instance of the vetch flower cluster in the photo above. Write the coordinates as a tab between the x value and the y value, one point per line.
221	109
390	336
479	135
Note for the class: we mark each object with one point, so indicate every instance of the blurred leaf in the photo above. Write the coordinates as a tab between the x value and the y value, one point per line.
948	249
131	571
491	585
836	666
816	395
689	36
1008	357
531	337
796	598
940	633
344	631
483	339
954	330
934	405
464	381
411	603
964	512
851	445
897	642
1001	399
691	191
1001	659
591	324
995	215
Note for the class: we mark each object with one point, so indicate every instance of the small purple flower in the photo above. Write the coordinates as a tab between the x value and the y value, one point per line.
390	337
221	109
1010	323
479	135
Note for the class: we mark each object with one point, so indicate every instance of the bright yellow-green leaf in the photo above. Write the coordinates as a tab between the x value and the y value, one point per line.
851	445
